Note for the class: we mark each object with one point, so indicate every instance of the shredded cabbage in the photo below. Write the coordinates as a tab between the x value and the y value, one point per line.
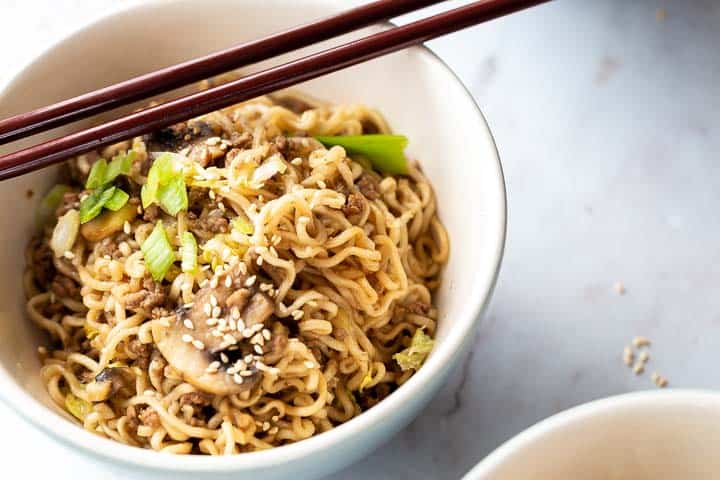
189	252
77	406
65	233
414	356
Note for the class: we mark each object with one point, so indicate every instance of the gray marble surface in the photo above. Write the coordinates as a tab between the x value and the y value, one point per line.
606	117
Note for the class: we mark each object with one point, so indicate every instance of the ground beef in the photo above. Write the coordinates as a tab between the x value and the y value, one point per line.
208	223
419	308
109	247
142	351
149	417
42	263
151	296
241	140
65	287
151	213
368	186
354	205
70	201
178	136
195	399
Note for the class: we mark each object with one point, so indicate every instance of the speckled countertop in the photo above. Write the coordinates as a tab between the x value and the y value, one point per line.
606	117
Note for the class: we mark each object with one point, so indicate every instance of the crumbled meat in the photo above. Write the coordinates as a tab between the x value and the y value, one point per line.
293	104
419	308
142	352
42	262
108	246
151	213
368	186
208	223
195	399
293	147
151	296
65	287
354	205
70	201
160	312
149	417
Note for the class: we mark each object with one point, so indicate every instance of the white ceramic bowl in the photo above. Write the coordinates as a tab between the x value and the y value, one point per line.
421	98
638	436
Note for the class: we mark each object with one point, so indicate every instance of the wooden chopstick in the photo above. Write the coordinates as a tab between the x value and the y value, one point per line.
256	84
185	73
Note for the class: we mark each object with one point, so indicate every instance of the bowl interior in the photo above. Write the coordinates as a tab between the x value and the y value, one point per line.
415	91
642	436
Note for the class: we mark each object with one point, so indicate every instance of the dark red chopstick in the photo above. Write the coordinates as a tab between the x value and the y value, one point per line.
185	73
260	83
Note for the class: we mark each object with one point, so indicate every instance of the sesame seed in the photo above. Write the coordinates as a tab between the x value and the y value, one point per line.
248	358
237	379
275	239
216	311
187	338
641	342
659	380
213	300
69	255
188	324
243	268
266	426
213	284
228	281
257	327
139	210
639	368
247	333
619	288
224	358
126	227
207	309
246	373
204	283
644	356
235	312
212	141
42	350
189	305
259	261
227	338
297	314
264	287
125	248
213	367
232	324
273	430
257	338
296	161
266	334
309	364
216	333
249	282
221	206
198	344
628	356
275	418
240	325
211	194
211	321
312	303
258	349
321	184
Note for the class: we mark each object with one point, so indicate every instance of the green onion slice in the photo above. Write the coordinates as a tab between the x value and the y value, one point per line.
93	203
158	252
385	152
117	201
173	196
165	186
98	172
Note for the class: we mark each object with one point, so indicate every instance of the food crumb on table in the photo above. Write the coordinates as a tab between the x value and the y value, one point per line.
619	288
636	355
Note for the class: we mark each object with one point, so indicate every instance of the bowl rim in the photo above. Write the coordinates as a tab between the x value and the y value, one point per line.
70	434
633	401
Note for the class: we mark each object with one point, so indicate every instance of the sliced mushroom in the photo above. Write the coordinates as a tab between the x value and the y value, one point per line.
106	384
191	345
